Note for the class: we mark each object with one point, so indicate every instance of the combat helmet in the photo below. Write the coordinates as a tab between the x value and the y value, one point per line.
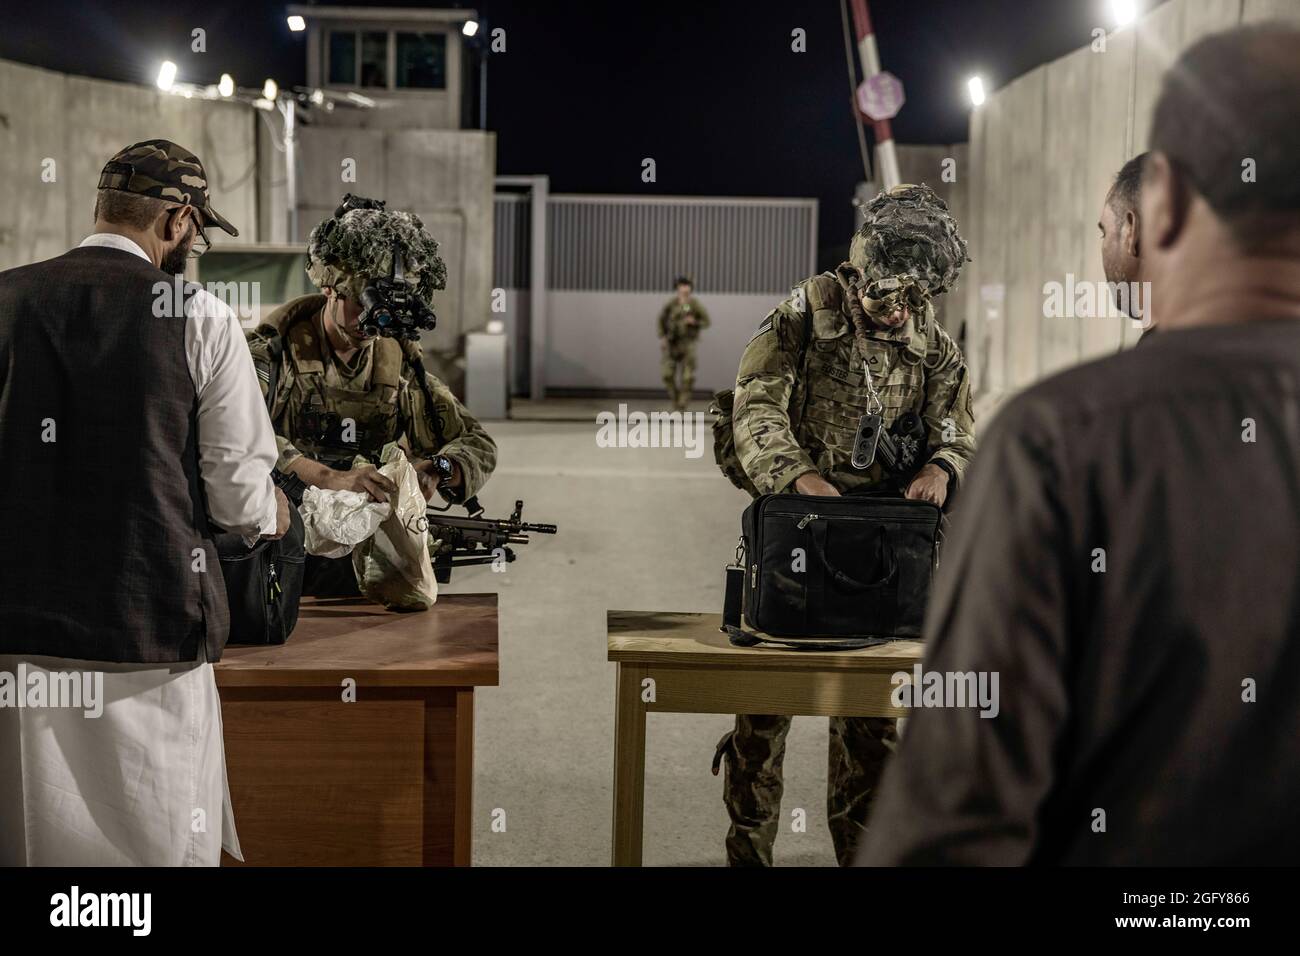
908	231
355	246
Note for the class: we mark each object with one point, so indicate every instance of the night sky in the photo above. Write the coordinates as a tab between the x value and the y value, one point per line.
586	90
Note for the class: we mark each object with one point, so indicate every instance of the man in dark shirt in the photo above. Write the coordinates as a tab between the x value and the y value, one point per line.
1127	557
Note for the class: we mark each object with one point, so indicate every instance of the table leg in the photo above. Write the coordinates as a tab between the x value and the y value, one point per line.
464	826
629	766
448	797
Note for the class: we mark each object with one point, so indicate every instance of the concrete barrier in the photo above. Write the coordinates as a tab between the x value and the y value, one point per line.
1044	150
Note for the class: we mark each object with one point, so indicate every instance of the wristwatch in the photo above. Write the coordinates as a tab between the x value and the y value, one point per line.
444	468
952	472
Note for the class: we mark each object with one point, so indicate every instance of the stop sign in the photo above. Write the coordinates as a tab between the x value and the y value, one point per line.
881	96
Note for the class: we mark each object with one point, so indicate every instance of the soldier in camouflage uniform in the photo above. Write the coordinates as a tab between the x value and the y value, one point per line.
816	365
340	394
680	322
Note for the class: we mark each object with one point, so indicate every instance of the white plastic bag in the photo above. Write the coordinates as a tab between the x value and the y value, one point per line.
337	521
393	566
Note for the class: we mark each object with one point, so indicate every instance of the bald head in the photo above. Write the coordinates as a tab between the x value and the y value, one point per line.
1226	121
1220	197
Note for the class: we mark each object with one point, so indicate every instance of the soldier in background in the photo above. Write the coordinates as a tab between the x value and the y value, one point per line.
680	322
844	344
340	394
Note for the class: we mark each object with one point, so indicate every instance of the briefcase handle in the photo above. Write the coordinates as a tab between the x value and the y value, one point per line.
884	557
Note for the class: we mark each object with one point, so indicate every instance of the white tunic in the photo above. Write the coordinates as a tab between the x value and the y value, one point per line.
144	783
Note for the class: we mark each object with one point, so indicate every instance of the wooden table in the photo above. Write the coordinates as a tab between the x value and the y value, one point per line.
382	781
696	670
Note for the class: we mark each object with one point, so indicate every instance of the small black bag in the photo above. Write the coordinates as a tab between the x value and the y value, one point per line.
263	584
847	571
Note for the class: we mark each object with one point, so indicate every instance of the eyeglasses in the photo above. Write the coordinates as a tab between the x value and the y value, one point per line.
201	243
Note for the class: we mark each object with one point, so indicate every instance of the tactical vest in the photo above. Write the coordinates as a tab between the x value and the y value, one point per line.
831	393
330	423
678	331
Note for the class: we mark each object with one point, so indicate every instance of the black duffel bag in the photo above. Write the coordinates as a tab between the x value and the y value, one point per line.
263	583
828	571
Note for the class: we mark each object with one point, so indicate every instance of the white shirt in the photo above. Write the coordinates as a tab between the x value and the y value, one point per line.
236	445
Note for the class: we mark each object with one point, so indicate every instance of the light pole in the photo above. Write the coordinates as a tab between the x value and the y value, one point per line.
475	33
289	110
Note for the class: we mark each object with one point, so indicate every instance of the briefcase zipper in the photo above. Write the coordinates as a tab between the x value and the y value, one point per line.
805	518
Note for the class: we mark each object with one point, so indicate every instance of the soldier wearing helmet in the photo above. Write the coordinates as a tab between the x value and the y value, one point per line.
341	393
858	340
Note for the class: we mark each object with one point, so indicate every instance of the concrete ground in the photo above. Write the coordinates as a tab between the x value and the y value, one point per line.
640	529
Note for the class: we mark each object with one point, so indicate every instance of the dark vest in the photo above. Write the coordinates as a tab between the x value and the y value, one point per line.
107	554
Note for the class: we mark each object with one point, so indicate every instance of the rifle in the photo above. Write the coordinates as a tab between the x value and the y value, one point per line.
476	540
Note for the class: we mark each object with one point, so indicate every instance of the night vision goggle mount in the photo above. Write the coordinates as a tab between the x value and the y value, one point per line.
390	307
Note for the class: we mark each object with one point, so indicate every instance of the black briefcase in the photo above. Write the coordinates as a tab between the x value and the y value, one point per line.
847	571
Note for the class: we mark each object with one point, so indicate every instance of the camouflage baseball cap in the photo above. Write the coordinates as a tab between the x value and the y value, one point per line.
909	231
161	169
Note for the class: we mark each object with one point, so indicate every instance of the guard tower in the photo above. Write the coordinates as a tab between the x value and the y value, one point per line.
410	63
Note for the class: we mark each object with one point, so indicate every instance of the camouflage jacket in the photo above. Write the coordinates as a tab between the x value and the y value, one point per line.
672	319
332	412
800	391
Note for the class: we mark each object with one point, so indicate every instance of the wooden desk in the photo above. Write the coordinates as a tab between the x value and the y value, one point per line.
384	781
696	670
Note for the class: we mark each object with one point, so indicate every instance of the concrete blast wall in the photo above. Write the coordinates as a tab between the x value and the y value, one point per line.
1044	150
57	131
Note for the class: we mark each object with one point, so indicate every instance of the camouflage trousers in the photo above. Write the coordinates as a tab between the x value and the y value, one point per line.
755	752
678	370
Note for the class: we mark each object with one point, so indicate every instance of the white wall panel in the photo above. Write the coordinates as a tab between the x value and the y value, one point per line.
610	341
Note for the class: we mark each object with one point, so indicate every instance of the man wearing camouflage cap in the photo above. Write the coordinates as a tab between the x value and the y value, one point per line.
842	345
340	393
156	432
